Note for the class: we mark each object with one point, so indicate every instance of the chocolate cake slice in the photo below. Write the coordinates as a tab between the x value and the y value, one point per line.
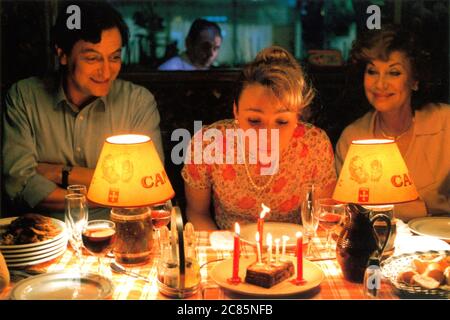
267	275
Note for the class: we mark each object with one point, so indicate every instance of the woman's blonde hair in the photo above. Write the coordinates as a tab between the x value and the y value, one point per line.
275	68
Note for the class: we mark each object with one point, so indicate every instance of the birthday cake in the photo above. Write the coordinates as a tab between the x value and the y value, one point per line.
267	275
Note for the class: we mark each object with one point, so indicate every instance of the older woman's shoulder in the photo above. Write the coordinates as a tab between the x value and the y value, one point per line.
441	108
434	113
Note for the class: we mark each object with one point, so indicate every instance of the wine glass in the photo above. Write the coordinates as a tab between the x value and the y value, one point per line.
77	188
309	220
160	214
75	217
329	214
98	238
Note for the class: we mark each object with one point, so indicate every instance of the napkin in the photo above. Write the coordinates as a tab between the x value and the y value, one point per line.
221	240
408	244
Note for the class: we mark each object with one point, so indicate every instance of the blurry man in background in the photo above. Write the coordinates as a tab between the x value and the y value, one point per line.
202	48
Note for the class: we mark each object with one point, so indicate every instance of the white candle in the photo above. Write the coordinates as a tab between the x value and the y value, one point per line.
277	250
269	248
258	248
283	249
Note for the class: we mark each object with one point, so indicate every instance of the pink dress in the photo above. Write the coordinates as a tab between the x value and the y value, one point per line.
308	158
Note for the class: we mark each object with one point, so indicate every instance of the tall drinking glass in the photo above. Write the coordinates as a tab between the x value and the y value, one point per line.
309	220
77	188
76	216
329	214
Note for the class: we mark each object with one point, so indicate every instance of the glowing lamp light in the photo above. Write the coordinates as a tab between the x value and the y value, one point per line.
374	172
129	174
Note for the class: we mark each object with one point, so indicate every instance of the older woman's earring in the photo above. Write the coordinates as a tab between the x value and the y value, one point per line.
415	87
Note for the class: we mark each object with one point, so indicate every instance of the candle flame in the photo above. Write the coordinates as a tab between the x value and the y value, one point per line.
298	234
257	236
277	240
237	229
265	210
285	238
269	239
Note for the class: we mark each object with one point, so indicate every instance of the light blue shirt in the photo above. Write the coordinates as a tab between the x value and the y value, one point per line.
41	125
180	63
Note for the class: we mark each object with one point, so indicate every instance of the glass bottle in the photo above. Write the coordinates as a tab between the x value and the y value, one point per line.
372	278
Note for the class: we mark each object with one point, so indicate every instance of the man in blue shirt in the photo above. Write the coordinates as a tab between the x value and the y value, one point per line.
54	127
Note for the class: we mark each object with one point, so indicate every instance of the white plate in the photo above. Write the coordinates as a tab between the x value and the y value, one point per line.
438	227
37	255
37	261
276	229
6	221
35	250
223	270
63	286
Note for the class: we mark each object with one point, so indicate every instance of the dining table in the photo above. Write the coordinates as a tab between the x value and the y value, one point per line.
333	285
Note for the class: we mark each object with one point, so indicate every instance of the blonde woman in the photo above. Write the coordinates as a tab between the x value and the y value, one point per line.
271	94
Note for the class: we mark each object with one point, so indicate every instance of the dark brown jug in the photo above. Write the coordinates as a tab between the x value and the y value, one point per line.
358	241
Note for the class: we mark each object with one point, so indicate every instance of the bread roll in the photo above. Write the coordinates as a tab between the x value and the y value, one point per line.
436	274
425	282
447	275
4	273
406	276
444	262
419	265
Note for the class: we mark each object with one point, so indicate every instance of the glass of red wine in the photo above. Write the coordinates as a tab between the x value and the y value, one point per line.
329	214
161	214
98	238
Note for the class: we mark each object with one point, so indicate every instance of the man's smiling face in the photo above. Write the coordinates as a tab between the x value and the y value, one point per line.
92	67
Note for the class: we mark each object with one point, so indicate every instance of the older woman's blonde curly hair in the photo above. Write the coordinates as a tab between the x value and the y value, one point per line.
275	68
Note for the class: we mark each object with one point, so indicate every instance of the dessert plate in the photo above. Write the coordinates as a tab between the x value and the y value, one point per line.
31	246
223	270
438	227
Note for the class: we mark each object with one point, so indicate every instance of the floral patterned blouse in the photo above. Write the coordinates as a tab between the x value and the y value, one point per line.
308	158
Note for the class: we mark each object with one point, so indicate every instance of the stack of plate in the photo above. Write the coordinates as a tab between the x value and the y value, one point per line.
22	255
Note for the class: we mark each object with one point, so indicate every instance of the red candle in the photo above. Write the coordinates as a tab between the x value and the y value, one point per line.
235	279
260	225
299	280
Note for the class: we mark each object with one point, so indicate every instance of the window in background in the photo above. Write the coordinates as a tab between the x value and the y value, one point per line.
158	28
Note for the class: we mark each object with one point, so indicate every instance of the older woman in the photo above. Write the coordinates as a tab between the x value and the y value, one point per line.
270	95
394	68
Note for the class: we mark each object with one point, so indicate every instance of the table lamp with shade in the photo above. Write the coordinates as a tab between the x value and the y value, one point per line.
130	178
373	173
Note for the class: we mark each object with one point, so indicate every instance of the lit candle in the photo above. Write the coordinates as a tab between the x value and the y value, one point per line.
277	251
269	248
260	225
235	279
283	249
299	280
258	248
